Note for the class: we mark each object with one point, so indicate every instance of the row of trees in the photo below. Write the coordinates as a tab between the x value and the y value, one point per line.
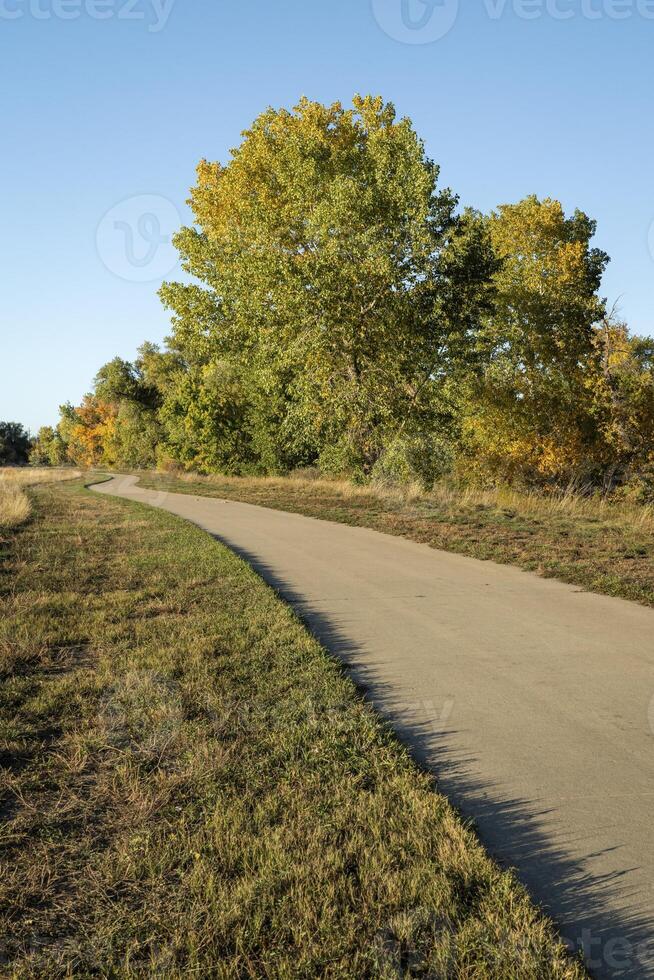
343	312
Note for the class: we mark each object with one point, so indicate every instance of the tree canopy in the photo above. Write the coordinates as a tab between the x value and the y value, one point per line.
335	277
343	311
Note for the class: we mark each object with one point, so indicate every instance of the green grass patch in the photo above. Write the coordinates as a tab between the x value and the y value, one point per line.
591	543
191	786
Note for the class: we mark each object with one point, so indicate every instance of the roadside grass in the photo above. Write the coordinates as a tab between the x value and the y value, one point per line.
594	543
191	786
14	503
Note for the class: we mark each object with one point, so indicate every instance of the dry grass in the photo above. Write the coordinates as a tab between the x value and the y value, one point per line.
451	500
299	483
191	786
342	488
29	476
15	507
572	505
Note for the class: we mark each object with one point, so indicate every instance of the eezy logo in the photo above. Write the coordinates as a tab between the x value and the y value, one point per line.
153	12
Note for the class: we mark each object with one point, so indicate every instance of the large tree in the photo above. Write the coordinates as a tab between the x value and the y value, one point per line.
336	278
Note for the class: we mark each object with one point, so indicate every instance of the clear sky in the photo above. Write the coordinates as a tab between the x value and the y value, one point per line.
107	105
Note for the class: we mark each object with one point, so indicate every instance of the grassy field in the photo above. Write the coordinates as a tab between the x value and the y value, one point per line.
192	787
601	546
15	505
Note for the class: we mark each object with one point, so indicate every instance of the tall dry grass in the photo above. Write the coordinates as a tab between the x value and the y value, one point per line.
453	500
15	505
305	481
541	505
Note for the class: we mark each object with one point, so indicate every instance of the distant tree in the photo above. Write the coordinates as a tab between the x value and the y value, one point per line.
14	444
68	419
89	432
158	370
117	423
132	394
48	449
134	437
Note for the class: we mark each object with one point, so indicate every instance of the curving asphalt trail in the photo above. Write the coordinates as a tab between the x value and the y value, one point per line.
533	701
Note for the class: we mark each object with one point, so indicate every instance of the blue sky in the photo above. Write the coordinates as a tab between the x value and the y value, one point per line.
107	105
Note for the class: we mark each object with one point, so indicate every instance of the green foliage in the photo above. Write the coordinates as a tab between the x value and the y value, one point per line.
343	313
336	276
205	416
120	381
49	448
14	444
622	392
421	459
529	419
118	423
136	435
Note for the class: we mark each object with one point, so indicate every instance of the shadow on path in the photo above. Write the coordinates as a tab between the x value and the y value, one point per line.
613	945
